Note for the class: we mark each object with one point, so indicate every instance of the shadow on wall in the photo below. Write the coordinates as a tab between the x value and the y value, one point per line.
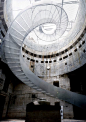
44	112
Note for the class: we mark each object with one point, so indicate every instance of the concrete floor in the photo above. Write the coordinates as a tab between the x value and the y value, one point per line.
12	120
68	120
64	120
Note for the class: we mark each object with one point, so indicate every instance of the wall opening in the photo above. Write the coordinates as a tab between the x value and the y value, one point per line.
56	83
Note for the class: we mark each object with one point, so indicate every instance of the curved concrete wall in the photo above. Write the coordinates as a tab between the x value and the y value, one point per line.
14	41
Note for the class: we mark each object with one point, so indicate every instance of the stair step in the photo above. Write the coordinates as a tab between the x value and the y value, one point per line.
43	91
47	93
39	89
11	44
11	58
16	39
12	48
20	74
35	87
17	31
12	53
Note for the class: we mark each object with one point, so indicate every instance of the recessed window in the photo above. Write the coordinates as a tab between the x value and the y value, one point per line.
22	48
31	54
39	56
71	47
75	50
51	56
62	52
33	60
44	56
65	63
57	54
48	56
60	59
65	56
2	33
82	35
56	83
34	55
84	51
85	29
54	60
76	42
50	61
46	61
62	75
79	39
42	61
31	66
80	46
26	51
66	50
70	54
36	61
83	42
28	58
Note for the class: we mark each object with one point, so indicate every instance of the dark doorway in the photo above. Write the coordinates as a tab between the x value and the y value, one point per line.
79	113
43	112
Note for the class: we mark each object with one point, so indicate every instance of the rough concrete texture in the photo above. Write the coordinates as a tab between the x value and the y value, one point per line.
64	120
13	120
20	98
68	120
21	95
2	80
43	113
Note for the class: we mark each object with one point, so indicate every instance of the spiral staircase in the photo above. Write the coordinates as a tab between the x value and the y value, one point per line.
36	16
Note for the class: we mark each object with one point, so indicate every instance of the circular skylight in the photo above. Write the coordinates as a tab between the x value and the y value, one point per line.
53	30
63	14
48	28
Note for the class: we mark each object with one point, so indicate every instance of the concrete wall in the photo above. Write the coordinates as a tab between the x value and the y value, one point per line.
67	110
2	80
7	100
20	95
